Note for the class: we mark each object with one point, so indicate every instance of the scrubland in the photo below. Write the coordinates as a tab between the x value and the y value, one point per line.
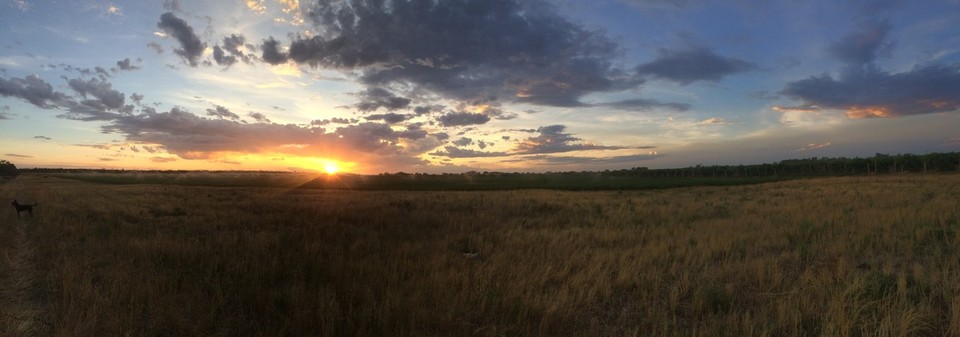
853	256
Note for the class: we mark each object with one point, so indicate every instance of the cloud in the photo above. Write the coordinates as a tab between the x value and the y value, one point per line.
427	109
667	4
271	52
191	48
156	47
125	64
553	139
814	146
870	92
172	5
691	65
463	141
17	155
463	118
462	49
863	45
713	121
114	10
32	89
376	98
455	152
42	137
390	117
101	90
189	136
231	53
22	5
162	159
222	112
221	58
192	137
640	104
798	108
572	160
863	90
259	117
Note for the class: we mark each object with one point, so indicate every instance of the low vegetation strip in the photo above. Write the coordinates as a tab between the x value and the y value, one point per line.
858	256
580	181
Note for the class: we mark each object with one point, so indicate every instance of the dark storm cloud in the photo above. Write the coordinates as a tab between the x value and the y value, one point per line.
862	89
640	104
126	64
553	139
460	49
463	118
863	45
390	117
376	98
191	48
222	113
32	89
691	65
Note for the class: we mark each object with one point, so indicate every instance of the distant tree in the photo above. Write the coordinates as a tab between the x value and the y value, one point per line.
7	169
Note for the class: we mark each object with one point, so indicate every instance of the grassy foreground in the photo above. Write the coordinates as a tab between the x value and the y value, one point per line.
859	256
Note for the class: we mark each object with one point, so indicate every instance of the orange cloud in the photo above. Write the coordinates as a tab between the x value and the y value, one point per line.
867	112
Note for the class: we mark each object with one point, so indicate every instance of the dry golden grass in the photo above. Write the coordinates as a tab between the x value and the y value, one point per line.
860	256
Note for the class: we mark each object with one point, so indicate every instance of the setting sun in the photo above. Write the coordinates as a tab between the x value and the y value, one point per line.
331	168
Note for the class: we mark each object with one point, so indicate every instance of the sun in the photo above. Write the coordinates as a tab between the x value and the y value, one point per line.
331	168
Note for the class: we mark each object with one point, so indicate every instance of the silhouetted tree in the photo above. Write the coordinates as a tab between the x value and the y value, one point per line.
7	169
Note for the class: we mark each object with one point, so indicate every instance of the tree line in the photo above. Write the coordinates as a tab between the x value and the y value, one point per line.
809	167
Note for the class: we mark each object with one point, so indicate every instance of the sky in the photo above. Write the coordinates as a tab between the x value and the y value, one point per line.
371	86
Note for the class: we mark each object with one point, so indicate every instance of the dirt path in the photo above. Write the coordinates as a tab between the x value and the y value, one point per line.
20	311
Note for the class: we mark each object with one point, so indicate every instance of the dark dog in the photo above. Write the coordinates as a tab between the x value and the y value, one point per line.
21	208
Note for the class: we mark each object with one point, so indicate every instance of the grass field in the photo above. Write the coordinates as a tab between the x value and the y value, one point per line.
855	256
